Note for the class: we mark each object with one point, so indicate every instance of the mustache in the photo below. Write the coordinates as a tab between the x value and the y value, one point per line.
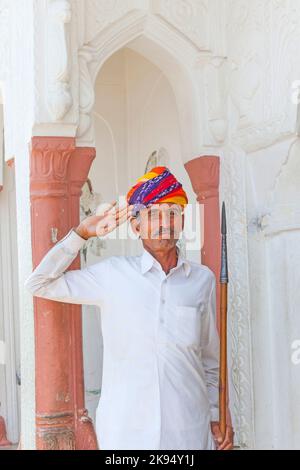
161	231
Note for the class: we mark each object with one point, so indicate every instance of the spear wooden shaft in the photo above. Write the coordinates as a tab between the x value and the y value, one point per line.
223	328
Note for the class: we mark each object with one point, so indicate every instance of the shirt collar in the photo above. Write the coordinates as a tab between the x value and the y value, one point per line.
147	261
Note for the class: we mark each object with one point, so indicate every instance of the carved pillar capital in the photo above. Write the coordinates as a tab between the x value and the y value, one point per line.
50	157
204	173
81	163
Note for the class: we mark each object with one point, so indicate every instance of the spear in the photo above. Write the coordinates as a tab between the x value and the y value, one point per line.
223	328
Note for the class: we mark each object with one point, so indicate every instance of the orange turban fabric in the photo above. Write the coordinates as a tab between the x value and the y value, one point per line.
157	186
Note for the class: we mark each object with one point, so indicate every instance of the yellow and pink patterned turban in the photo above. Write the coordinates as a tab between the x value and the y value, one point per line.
157	186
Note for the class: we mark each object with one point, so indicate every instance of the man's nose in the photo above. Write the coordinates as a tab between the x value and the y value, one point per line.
165	219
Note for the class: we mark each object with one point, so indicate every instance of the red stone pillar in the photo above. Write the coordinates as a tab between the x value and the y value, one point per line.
58	171
3	439
204	173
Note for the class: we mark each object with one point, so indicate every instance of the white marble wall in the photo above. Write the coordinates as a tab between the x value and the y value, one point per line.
263	68
274	235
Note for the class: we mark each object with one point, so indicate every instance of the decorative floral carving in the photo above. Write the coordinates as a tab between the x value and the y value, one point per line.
262	65
187	16
100	13
51	158
233	192
184	28
59	98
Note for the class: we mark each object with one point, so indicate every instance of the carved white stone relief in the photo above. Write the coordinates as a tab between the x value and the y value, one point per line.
283	197
201	21
58	54
188	16
214	90
156	33
281	237
169	23
263	64
233	192
86	92
101	13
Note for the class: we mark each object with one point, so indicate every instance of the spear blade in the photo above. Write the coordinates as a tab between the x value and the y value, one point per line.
224	263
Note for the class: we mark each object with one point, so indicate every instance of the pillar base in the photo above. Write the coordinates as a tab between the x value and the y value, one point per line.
4	442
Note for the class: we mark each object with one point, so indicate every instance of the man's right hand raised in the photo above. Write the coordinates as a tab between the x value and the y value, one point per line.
105	222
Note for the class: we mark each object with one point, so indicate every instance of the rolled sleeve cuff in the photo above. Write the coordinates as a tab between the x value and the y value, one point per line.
73	242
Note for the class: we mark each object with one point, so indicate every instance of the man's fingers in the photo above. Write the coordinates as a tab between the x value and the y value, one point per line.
105	208
111	208
218	436
111	205
124	210
121	214
112	213
112	217
226	444
111	221
222	445
122	219
228	447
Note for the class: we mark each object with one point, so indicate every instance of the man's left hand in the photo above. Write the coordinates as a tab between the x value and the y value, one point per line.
227	443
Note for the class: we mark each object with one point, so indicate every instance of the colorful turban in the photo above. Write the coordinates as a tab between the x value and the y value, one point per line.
157	186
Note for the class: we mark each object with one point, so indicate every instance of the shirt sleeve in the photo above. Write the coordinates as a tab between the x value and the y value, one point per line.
210	346
80	286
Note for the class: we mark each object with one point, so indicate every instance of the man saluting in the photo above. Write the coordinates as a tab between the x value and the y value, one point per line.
161	347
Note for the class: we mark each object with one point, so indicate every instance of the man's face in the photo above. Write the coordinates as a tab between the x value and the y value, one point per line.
159	225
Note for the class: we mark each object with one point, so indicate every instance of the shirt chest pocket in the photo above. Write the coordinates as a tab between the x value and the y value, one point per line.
188	325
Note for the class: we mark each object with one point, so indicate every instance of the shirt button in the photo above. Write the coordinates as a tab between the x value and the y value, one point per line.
163	301
162	320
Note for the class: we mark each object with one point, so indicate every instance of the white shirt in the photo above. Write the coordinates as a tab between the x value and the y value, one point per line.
161	346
